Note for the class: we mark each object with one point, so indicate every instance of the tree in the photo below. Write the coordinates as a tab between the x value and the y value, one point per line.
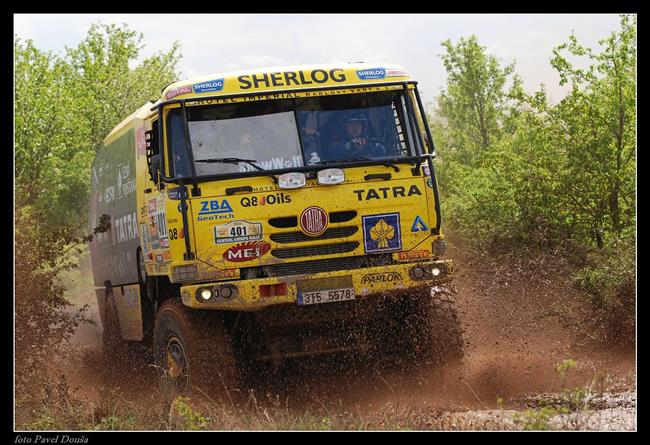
596	126
473	102
65	107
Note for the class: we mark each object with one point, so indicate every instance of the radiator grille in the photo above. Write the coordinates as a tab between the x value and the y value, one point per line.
284	222
299	237
326	249
345	216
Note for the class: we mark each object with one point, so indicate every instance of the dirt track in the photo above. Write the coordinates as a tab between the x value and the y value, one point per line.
511	351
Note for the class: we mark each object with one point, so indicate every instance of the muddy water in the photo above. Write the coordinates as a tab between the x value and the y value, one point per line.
511	351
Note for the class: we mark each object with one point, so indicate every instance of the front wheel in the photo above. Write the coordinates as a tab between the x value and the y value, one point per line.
438	334
193	349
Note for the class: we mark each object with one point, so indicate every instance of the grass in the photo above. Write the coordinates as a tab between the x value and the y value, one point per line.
61	408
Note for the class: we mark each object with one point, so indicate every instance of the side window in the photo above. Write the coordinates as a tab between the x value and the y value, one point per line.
180	165
152	151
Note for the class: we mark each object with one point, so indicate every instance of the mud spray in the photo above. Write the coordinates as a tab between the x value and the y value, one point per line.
511	351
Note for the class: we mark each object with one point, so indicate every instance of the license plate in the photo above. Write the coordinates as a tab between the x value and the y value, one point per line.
326	296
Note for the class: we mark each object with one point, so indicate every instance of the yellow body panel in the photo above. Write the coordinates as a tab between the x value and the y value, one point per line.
127	300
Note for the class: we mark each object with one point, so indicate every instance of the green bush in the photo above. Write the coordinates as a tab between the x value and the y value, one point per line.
609	281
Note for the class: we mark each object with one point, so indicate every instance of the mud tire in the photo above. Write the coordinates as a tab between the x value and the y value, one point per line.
205	343
438	334
114	346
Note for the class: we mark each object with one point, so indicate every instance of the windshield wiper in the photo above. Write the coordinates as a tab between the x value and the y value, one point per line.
387	162
250	162
336	161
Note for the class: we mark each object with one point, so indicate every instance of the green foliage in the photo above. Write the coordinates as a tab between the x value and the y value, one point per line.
44	318
513	167
562	369
474	100
64	108
536	419
610	284
190	418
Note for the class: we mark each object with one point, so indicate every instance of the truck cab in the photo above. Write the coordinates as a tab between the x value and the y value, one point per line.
265	214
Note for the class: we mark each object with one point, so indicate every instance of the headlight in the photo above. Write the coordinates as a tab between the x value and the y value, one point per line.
205	293
291	180
331	176
422	272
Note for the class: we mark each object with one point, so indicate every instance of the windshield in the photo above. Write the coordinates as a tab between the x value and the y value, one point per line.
289	133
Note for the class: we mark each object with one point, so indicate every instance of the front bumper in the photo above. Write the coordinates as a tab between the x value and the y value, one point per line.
255	294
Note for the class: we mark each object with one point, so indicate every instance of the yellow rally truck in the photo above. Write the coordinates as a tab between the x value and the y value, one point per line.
253	216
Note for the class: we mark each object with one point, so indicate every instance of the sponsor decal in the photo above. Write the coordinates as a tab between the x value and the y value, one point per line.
313	221
215	209
397	73
371	73
413	255
429	183
210	85
289	78
237	231
381	233
178	91
419	225
160	221
125	185
246	251
109	194
159	258
426	171
387	192
152	205
264	188
140	141
125	228
272	199
160	268
381	277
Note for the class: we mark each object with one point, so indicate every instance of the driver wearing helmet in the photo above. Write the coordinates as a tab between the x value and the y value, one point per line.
357	143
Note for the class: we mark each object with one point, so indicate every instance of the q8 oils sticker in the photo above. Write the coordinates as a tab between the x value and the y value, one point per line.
237	231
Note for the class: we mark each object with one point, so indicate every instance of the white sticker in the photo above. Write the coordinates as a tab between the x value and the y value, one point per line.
237	231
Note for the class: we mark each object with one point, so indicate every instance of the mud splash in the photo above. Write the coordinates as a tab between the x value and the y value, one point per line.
512	347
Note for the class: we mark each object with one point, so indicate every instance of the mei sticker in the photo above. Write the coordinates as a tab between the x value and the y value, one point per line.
381	233
237	231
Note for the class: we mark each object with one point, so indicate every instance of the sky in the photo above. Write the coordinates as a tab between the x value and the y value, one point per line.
212	43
